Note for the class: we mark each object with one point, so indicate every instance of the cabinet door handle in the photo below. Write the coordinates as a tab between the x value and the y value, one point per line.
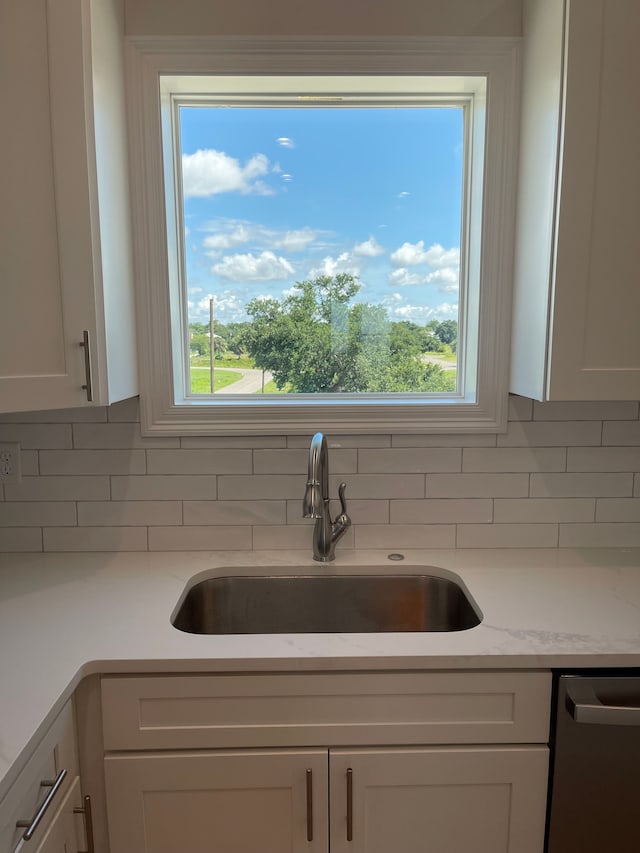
88	822
87	366
309	806
349	804
32	825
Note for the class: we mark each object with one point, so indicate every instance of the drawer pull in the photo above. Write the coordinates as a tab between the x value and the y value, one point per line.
32	825
87	366
309	806
88	822
349	804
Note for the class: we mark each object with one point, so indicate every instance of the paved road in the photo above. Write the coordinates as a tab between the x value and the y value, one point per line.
249	383
434	359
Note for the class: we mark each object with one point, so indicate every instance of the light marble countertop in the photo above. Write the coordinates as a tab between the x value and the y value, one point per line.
65	616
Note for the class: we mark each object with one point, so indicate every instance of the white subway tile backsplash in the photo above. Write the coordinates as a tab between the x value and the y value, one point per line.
37	514
477	485
507	536
540	510
514	459
94	414
551	434
22	539
66	462
581	485
603	459
37	436
129	513
419	440
218	442
563	473
379	486
443	511
198	461
585	411
285	536
399	536
409	460
342	441
621	433
616	509
161	488
58	489
95	538
114	436
263	487
297	461
618	535
234	512
200	538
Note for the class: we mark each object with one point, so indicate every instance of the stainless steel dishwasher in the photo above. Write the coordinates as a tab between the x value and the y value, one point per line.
595	781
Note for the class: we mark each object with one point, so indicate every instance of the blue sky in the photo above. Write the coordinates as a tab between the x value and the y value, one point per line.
281	194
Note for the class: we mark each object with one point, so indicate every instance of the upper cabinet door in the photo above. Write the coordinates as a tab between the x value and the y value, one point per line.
65	256
577	280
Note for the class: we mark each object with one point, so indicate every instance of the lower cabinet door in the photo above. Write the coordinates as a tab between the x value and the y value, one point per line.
439	800
222	802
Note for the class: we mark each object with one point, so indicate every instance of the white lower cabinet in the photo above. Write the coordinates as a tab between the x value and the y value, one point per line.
445	800
391	762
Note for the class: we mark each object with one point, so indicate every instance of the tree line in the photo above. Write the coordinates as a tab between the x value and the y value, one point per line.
318	339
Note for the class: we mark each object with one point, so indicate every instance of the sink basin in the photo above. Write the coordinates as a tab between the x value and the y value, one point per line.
303	604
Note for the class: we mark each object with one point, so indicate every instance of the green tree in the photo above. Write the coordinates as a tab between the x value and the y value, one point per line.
316	341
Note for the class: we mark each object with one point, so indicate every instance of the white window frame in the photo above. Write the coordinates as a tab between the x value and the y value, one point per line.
149	59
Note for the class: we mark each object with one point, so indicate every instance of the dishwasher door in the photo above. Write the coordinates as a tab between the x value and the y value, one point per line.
595	787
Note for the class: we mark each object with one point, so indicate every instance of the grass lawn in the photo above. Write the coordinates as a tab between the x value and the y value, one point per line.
228	361
201	380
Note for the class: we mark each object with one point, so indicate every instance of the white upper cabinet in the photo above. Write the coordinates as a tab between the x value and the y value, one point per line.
65	253
577	271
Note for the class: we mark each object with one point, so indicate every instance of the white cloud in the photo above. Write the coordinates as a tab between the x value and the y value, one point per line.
236	237
370	248
286	142
231	233
264	267
209	172
423	313
344	263
446	279
403	194
294	241
410	254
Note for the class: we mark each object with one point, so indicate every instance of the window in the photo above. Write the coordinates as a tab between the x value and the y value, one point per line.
344	238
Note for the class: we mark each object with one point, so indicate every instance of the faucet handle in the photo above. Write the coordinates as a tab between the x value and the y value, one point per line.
343	501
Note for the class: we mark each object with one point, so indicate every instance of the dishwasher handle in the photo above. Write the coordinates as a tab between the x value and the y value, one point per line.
585	707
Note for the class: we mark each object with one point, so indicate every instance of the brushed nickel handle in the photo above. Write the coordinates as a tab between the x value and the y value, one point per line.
87	366
349	804
88	822
309	806
32	825
585	707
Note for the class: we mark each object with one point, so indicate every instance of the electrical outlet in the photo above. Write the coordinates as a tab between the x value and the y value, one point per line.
10	462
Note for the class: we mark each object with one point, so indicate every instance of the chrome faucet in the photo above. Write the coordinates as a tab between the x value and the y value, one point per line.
316	503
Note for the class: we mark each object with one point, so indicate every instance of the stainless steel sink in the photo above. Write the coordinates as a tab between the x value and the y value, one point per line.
293	604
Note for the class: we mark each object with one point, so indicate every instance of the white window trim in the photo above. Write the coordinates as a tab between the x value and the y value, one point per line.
148	58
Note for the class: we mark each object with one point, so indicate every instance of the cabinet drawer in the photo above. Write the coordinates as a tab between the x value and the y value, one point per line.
56	752
193	712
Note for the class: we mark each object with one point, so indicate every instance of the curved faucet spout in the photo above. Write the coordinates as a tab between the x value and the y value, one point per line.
316	502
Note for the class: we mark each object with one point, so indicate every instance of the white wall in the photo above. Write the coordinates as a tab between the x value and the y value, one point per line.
324	17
